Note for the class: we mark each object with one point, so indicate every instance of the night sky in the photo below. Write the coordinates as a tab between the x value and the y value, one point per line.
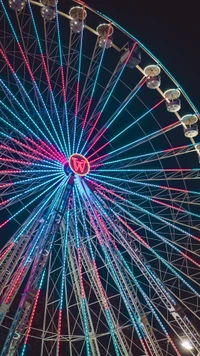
170	30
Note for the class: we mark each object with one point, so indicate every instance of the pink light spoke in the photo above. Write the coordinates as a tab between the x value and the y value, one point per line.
97	139
20	153
26	62
4	202
37	152
11	171
101	157
10	160
46	72
99	149
6	251
7	61
87	112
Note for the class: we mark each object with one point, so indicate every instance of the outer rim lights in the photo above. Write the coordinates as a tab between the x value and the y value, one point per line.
187	344
79	164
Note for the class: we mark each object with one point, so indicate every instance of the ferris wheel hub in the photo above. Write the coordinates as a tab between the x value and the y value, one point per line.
79	164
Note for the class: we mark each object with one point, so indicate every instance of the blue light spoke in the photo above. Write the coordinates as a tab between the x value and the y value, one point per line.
47	76
63	83
77	90
92	94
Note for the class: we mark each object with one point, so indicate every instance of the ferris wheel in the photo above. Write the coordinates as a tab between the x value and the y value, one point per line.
99	190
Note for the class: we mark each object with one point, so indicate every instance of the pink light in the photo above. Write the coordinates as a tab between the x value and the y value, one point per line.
93	127
182	253
95	229
63	84
175	189
60	156
80	273
106	197
26	62
11	171
4	223
168	205
27	163
134	232
100	286
7	148
6	251
174	346
87	112
171	125
106	189
59	330
160	102
96	165
175	148
17	281
46	72
97	139
177	170
4	202
40	148
48	155
103	226
96	159
53	151
99	149
189	258
5	185
32	316
29	148
7	61
77	97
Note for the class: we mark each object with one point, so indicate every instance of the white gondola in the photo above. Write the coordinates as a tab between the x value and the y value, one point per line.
78	15
173	102
105	32
153	73
48	12
191	127
17	5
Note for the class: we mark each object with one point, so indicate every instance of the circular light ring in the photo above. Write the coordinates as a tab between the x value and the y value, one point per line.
79	164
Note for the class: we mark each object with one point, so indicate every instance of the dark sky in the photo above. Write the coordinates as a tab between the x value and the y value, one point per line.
170	30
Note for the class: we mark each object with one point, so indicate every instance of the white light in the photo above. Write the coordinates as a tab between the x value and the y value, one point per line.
187	344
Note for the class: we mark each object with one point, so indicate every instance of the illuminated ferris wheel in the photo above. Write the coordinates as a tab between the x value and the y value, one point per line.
99	190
